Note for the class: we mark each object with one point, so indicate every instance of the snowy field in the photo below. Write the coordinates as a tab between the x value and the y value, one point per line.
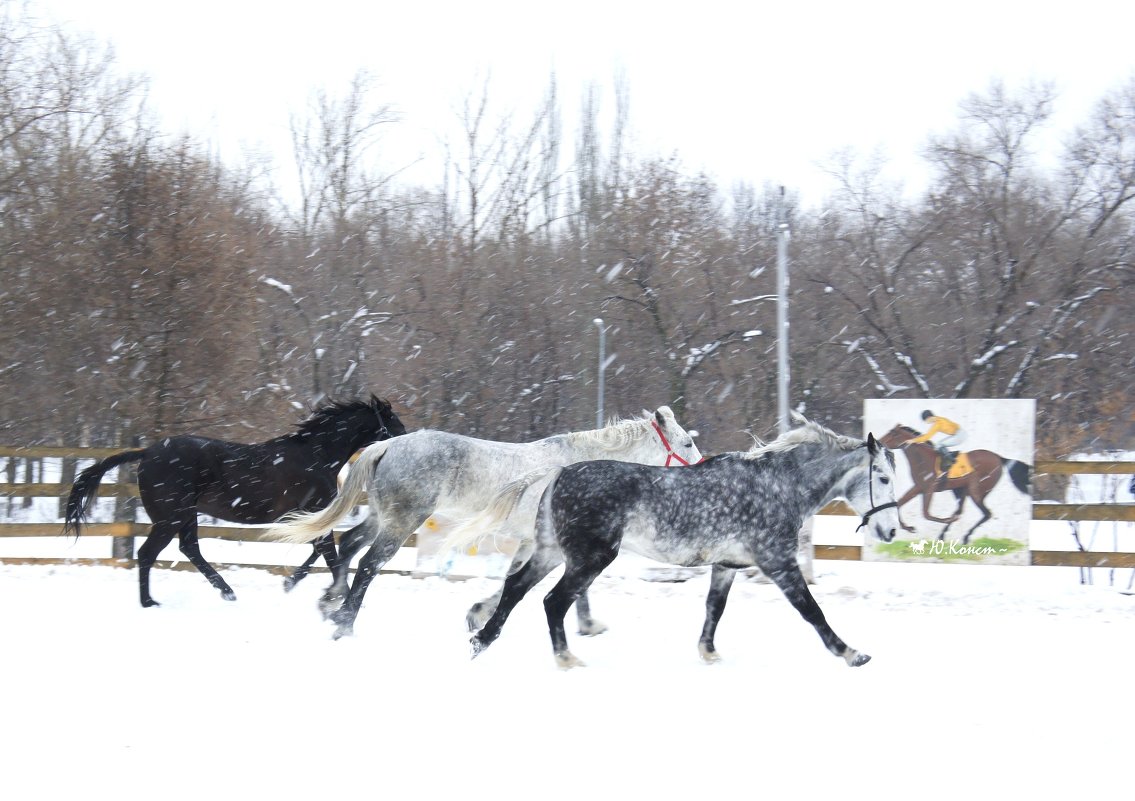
984	680
1012	680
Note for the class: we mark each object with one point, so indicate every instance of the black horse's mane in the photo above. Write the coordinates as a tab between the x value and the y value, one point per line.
331	411
907	429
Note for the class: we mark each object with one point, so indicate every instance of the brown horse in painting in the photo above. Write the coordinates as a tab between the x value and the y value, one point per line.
976	483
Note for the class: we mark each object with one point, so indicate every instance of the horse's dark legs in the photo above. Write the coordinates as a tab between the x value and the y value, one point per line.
720	582
384	547
516	586
481	611
325	547
985	515
161	534
189	546
349	544
577	577
588	626
788	577
960	494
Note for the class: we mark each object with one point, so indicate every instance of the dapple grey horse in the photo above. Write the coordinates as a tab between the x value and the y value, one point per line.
732	511
408	478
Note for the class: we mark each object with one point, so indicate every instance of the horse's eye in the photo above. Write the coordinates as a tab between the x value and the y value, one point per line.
884	480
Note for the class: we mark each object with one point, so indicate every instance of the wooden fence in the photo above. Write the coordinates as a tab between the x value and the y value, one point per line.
1122	512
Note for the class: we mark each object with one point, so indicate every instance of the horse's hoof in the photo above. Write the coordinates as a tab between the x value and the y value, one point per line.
342	631
329	605
567	660
592	628
476	646
228	595
855	658
149	602
473	621
708	654
289	584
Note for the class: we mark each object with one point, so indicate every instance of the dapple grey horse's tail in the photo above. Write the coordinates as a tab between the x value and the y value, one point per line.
472	529
310	526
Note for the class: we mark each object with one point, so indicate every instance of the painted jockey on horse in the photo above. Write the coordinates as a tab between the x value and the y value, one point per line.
950	434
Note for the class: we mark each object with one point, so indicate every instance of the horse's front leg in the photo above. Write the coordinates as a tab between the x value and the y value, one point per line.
926	499
910	493
788	577
720	582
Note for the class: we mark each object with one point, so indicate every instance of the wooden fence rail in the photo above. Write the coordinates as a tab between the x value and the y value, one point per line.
1119	512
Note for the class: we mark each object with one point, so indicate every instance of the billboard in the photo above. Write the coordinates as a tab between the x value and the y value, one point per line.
964	479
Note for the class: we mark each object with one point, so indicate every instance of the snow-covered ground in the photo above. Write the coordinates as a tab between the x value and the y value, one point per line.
984	680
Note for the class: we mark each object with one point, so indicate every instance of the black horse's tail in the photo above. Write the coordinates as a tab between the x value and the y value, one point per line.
86	488
1019	472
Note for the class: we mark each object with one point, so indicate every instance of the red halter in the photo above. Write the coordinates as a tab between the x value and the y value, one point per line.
670	454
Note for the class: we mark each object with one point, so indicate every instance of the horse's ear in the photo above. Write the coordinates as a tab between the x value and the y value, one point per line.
661	414
872	444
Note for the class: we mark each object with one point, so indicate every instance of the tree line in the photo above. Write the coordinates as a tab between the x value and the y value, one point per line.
147	288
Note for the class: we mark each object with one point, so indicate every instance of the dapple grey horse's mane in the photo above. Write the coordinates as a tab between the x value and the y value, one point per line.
808	432
618	433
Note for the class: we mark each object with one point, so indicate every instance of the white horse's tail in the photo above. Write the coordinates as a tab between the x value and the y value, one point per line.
473	529
309	526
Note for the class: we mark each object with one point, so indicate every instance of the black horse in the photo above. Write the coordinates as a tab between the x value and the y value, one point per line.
252	484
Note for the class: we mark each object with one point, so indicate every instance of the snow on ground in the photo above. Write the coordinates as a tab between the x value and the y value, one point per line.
1011	680
984	680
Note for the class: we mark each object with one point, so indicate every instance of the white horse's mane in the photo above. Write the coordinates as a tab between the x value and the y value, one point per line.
618	433
808	432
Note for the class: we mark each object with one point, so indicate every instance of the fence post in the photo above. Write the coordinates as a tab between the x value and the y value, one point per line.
126	509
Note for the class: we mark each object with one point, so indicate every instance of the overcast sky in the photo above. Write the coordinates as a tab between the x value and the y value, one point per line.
748	91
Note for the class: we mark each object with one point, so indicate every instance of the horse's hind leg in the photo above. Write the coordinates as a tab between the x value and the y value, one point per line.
542	562
481	611
588	626
985	515
791	582
720	582
350	544
192	550
391	529
577	577
317	550
161	534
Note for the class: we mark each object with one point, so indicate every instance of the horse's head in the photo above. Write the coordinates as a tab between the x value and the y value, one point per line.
387	423
677	443
897	436
873	497
353	424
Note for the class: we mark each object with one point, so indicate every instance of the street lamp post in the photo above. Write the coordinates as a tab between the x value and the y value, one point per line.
782	328
602	368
